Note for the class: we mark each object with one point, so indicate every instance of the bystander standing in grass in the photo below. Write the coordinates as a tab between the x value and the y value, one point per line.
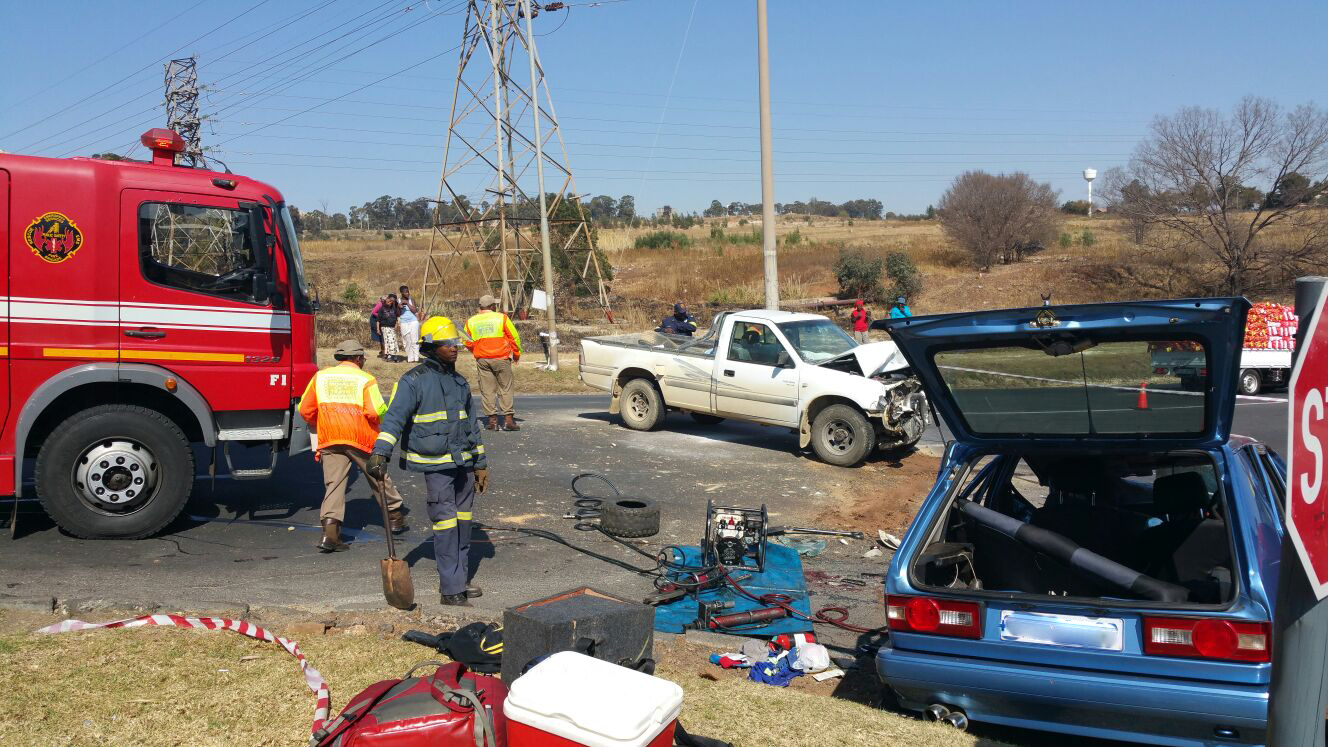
861	321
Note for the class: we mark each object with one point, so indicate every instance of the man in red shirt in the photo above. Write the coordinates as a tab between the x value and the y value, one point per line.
861	321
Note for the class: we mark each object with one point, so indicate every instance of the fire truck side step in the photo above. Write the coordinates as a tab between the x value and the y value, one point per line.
252	473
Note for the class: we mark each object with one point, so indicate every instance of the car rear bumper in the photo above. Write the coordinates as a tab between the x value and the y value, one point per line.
1152	710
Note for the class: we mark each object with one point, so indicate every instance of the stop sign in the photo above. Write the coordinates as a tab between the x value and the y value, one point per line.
1307	494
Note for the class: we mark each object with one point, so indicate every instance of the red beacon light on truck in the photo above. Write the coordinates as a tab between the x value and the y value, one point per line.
164	144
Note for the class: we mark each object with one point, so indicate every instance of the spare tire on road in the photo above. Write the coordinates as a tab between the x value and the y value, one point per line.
629	517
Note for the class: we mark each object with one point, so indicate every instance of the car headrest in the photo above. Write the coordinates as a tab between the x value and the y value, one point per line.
1180	493
1079	476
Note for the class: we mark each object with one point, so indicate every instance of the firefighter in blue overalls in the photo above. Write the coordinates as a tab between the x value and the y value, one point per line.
432	418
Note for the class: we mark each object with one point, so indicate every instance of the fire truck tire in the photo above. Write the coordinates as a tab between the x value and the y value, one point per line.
629	517
115	439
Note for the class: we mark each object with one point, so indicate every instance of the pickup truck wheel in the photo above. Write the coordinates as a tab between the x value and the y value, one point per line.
642	407
1250	382
705	419
115	472
842	435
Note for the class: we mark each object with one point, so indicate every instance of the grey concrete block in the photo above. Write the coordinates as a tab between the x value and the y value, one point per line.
30	604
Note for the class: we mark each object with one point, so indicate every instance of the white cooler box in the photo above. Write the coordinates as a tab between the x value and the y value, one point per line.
573	699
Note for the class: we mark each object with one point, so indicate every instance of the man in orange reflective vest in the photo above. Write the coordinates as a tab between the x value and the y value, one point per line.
343	405
492	339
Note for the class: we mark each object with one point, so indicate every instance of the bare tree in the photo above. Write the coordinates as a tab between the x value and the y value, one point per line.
1193	198
999	217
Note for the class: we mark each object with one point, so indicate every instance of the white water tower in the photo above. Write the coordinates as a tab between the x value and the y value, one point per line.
1089	176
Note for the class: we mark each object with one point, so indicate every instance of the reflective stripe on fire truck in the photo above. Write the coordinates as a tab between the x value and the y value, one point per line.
142	355
25	310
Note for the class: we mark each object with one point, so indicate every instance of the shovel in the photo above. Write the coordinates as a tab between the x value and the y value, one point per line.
397	587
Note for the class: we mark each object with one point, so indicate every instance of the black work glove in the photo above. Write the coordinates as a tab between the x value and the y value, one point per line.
481	479
377	466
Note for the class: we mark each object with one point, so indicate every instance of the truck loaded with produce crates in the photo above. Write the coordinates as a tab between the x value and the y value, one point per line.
1265	357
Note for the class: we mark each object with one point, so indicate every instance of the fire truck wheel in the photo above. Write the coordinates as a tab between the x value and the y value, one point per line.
115	472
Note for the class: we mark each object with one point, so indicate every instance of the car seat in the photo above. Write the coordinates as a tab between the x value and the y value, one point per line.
1188	548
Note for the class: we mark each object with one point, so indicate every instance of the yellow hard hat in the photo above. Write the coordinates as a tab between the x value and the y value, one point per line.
439	330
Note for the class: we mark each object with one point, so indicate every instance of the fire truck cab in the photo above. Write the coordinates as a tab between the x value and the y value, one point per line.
148	307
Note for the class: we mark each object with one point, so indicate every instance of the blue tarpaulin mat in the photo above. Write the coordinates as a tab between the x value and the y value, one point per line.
782	574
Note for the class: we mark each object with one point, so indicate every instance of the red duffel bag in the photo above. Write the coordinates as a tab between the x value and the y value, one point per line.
453	707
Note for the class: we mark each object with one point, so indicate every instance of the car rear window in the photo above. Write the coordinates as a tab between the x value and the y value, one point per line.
1075	387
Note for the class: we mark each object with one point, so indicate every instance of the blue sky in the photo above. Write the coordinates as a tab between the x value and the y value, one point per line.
872	99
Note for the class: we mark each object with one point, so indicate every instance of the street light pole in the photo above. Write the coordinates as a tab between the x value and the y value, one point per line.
767	169
549	313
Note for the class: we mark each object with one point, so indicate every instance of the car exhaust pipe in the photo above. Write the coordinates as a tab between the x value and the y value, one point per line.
937	712
957	719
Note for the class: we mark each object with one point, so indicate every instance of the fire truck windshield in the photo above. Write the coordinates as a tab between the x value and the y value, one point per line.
289	240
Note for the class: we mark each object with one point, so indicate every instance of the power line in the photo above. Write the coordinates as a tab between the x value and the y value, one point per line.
106	56
274	62
148	66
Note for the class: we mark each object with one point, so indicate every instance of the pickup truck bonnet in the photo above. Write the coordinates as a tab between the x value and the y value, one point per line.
1078	374
874	358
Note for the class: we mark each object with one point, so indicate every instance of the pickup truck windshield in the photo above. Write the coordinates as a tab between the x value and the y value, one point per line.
1083	389
817	340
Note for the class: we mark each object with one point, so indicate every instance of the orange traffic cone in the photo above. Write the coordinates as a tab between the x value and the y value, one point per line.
1142	404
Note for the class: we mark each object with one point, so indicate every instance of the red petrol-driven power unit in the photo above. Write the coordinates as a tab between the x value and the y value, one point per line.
147	306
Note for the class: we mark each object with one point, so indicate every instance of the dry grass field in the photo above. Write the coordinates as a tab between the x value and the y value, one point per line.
718	266
712	274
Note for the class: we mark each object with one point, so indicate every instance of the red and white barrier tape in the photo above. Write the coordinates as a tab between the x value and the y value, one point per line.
311	676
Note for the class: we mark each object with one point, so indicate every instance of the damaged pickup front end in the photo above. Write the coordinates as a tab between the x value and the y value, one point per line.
899	413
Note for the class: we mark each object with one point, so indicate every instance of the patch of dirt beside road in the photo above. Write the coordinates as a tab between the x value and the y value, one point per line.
884	493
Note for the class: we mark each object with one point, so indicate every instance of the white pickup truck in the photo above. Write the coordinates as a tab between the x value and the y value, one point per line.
771	367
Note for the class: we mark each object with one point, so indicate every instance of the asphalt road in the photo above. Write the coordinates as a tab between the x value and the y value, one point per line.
253	541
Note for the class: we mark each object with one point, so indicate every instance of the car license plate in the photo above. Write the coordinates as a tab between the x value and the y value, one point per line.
1075	631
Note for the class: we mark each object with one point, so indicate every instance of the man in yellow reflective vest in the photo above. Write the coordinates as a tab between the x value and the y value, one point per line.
430	422
343	405
492	339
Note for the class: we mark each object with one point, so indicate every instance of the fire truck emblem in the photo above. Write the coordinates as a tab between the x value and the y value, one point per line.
53	237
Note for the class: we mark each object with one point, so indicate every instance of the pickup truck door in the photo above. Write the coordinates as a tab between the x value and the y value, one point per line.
686	382
756	378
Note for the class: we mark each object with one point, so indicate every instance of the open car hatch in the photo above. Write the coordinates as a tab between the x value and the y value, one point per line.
1080	374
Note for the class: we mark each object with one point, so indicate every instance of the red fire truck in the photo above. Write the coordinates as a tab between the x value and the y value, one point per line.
148	307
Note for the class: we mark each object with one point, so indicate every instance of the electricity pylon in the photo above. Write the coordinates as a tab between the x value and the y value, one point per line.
182	107
502	136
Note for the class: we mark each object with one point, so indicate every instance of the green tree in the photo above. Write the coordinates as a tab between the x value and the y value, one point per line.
1291	189
627	208
905	280
859	275
716	210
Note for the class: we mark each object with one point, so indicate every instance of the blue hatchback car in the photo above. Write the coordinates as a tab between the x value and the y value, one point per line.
1099	555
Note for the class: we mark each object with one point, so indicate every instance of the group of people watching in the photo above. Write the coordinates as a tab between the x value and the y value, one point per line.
394	324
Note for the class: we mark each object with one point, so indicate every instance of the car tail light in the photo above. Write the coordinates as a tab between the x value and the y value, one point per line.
935	616
1203	372
1207	638
1160	371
